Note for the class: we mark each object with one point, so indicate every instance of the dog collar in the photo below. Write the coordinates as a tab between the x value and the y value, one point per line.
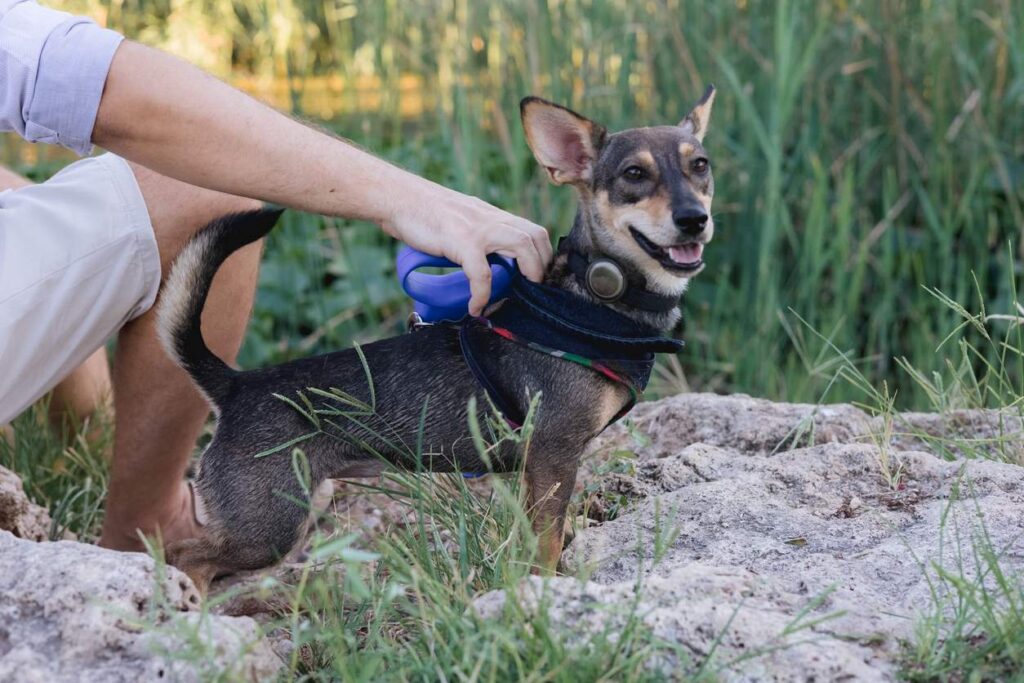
606	281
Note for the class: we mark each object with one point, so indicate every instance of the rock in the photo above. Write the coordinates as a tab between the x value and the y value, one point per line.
744	424
694	606
18	514
814	522
1000	433
737	506
74	612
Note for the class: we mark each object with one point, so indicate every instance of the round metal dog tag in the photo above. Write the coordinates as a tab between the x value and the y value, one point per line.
605	280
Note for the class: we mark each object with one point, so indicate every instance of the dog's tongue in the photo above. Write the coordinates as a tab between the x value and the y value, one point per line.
686	253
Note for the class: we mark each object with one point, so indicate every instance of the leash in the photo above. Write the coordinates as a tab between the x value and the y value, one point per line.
446	297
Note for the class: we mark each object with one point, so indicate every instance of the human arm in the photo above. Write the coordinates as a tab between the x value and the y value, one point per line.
162	113
214	136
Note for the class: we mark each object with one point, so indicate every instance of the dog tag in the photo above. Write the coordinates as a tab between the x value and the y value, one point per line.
605	280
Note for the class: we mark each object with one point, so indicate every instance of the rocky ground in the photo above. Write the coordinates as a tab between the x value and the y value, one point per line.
75	612
772	516
803	536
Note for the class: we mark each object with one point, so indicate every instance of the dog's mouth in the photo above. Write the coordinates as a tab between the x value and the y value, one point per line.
684	257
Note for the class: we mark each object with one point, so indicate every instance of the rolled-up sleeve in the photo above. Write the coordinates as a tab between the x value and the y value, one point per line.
53	67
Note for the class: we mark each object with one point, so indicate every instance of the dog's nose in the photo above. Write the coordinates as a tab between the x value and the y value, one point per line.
691	221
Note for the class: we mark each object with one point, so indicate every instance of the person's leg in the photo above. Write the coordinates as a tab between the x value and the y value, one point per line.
88	386
10	180
82	393
159	412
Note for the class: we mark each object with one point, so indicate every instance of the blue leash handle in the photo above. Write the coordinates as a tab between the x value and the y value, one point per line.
446	297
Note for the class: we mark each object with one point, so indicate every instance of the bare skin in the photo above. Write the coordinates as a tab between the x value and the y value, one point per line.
214	136
159	411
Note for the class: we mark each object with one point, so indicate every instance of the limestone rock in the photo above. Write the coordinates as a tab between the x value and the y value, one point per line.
694	606
773	514
18	514
744	424
75	612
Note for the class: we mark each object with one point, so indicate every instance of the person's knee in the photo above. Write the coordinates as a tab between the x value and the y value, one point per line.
178	210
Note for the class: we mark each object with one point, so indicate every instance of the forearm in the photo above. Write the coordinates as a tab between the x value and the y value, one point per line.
197	129
168	116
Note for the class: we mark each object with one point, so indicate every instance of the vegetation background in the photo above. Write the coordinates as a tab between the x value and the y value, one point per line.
869	159
864	152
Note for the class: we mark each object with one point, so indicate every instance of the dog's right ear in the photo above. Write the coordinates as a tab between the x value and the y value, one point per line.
565	143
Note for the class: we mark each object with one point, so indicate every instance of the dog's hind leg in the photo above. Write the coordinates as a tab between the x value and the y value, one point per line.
199	558
549	485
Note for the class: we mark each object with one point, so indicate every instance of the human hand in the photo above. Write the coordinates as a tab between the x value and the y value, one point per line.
464	229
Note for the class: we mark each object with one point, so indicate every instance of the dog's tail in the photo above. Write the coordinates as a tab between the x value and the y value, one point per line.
184	295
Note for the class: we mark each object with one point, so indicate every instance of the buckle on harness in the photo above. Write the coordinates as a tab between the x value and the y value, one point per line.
415	322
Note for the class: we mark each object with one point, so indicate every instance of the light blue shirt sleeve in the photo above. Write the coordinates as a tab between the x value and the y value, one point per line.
52	70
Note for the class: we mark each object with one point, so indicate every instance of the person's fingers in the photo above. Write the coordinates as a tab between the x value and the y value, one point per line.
540	239
521	246
478	271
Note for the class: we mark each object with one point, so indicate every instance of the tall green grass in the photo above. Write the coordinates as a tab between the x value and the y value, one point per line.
863	151
973	627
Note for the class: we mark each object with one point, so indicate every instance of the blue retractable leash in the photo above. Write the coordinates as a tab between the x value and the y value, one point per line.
446	297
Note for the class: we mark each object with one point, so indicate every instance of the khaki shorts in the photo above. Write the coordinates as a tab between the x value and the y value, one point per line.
78	259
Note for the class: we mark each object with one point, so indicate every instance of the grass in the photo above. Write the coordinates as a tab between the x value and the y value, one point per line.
858	159
407	614
973	628
64	470
869	178
976	366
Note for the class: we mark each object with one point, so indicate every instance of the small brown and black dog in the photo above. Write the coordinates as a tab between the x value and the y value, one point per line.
644	205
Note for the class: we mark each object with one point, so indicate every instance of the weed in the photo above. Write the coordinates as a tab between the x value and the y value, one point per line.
973	628
65	471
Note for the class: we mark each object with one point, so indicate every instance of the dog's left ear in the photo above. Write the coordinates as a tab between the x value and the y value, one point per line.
696	122
564	143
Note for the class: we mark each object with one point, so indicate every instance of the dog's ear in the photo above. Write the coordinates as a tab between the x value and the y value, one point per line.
696	122
565	143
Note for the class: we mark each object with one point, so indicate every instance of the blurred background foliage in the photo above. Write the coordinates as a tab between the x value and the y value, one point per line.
863	151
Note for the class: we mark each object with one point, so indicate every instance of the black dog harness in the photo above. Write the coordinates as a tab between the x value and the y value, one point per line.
564	325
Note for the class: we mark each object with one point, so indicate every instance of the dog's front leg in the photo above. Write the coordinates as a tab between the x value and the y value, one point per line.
550	479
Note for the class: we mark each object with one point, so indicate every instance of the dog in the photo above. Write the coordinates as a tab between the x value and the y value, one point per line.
643	219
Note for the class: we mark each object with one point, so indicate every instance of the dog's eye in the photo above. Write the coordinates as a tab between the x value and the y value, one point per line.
634	174
699	165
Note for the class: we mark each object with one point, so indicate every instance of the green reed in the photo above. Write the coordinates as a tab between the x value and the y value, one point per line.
863	151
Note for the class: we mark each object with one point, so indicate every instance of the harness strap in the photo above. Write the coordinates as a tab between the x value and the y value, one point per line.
500	401
503	403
